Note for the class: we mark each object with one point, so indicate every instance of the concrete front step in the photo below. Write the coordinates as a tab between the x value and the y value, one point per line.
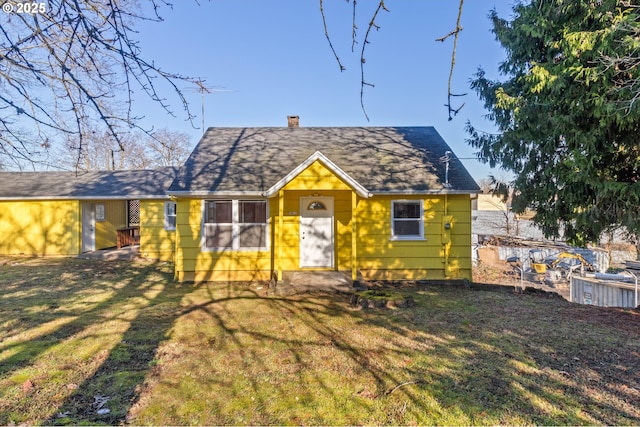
127	253
296	282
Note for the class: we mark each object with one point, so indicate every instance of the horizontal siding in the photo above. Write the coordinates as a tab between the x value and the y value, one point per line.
115	216
228	261
413	274
316	177
223	276
40	227
291	221
441	254
155	241
193	264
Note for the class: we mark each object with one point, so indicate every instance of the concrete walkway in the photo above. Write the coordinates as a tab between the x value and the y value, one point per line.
128	253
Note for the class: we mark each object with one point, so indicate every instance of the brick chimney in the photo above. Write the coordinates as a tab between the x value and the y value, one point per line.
293	121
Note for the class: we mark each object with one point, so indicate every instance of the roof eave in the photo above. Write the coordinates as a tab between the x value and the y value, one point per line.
423	192
206	193
84	198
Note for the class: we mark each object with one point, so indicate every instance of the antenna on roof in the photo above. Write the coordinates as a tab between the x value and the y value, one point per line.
446	159
202	89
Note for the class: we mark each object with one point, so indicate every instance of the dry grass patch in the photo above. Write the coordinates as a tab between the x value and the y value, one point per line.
163	353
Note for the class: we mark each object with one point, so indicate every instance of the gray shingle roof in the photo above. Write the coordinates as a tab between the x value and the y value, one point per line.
129	184
381	159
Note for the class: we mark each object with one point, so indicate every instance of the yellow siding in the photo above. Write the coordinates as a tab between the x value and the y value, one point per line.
443	253
223	276
319	181
316	177
291	234
192	264
155	241
40	227
115	216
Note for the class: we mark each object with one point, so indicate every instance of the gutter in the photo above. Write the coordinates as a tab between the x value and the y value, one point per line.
203	194
268	194
423	192
96	197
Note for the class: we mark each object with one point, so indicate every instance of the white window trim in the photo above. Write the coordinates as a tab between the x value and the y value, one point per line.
167	224
100	212
235	227
412	237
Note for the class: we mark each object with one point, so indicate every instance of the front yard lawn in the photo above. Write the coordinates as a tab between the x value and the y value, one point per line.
95	342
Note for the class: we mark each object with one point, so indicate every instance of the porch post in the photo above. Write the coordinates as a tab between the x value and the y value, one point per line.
280	232
354	245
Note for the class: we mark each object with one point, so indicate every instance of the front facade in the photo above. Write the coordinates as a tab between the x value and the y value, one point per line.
376	203
255	203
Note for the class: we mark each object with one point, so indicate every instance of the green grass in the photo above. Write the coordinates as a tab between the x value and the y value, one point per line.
168	353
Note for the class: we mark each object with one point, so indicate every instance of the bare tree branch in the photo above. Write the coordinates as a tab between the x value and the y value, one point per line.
455	33
354	28
363	83
326	33
62	71
366	40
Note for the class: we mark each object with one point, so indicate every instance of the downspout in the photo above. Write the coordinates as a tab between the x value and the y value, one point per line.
446	233
176	276
354	232
280	233
446	224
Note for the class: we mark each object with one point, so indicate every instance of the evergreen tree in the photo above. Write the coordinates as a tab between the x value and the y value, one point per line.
568	114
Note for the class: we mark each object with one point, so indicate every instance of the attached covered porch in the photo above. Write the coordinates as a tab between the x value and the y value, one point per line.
314	220
109	223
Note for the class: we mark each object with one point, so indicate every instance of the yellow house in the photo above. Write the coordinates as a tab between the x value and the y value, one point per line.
387	203
63	213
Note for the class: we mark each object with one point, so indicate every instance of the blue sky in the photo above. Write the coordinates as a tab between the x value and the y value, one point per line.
269	59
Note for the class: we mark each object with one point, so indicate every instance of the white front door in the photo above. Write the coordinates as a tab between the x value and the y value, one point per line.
88	227
316	232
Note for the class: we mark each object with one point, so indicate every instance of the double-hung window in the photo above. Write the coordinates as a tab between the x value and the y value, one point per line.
407	219
252	226
169	215
235	224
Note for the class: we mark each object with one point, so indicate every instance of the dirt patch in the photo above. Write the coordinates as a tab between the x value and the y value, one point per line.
496	272
381	299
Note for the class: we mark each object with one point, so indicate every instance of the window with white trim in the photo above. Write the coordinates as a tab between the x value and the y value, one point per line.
170	215
235	224
407	219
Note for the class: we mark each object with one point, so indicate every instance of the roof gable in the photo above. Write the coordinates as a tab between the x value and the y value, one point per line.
382	160
328	164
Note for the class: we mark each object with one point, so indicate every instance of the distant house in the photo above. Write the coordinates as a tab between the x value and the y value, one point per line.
61	213
492	216
383	202
490	202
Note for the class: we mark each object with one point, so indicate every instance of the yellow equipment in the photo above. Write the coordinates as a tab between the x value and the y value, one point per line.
537	261
562	258
558	267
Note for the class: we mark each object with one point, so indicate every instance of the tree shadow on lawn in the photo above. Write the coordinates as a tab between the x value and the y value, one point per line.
41	310
459	357
77	329
224	354
150	309
527	358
